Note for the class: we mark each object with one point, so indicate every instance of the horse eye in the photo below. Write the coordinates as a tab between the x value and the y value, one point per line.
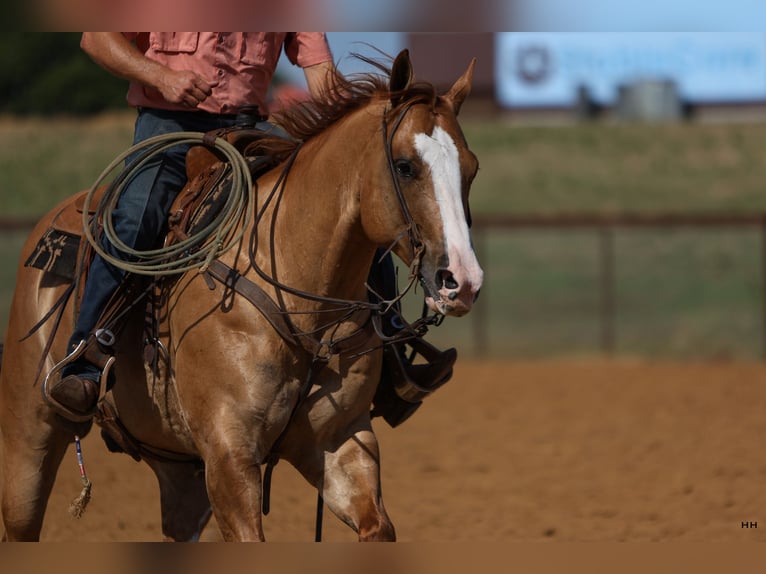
405	169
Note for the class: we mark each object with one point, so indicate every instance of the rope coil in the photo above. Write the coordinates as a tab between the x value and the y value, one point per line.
198	250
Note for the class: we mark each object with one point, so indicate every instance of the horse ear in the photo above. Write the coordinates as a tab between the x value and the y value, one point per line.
460	89
401	75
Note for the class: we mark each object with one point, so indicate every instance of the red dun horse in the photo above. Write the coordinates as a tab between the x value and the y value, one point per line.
382	164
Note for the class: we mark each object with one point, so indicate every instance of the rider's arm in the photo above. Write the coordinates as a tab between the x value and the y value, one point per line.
319	78
119	56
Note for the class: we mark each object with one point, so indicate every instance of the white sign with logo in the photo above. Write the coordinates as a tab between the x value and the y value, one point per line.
548	69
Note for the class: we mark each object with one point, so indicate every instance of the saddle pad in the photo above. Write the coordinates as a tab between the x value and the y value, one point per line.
56	253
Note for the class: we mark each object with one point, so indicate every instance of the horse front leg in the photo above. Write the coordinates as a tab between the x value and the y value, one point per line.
234	444
351	487
233	479
228	409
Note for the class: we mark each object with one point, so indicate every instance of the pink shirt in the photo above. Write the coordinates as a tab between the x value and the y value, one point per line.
239	66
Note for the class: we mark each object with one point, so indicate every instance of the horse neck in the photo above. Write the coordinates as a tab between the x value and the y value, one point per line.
319	243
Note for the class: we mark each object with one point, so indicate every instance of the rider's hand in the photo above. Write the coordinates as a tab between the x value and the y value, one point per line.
184	87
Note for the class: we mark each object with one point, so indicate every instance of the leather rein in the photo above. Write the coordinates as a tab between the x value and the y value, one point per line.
279	317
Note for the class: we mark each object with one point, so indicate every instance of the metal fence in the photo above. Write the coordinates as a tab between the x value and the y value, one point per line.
605	226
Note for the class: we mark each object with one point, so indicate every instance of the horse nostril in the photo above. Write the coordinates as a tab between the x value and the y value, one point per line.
476	297
445	279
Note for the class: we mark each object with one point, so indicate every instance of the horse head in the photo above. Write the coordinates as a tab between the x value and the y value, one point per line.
431	171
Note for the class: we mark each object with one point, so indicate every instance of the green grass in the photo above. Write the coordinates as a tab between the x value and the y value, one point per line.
618	167
678	293
42	161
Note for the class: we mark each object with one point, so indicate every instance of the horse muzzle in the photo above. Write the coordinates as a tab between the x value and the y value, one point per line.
454	293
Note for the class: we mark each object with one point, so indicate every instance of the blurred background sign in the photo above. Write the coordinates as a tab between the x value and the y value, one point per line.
550	69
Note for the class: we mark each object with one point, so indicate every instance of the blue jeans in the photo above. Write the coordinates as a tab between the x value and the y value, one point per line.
140	217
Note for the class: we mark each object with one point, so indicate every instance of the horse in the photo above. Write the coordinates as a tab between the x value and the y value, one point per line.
382	163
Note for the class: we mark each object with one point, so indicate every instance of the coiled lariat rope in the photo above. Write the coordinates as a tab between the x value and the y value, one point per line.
197	251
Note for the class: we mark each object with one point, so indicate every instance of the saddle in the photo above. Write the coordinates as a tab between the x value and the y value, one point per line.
207	184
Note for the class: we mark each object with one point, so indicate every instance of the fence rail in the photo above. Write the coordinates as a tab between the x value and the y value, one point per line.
9	224
634	219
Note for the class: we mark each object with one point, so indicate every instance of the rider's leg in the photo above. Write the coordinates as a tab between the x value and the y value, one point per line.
139	220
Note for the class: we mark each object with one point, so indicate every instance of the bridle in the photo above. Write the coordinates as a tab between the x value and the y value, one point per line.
413	233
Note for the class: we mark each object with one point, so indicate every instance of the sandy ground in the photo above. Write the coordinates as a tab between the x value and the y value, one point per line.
575	450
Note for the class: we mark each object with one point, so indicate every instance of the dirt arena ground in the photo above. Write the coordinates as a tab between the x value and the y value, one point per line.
571	450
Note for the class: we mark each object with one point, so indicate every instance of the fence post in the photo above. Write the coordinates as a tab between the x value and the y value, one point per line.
606	243
480	336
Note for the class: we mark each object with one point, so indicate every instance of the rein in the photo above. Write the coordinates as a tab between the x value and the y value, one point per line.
202	249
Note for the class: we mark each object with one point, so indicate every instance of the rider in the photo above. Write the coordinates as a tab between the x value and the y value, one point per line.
179	81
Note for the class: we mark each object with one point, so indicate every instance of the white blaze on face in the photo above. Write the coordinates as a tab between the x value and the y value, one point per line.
440	153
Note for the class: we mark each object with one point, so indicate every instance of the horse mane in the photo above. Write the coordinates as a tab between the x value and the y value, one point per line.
306	120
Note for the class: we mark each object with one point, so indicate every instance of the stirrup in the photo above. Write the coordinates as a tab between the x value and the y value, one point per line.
403	385
78	352
413	382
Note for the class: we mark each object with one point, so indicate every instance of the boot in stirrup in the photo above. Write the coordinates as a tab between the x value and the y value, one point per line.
84	373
